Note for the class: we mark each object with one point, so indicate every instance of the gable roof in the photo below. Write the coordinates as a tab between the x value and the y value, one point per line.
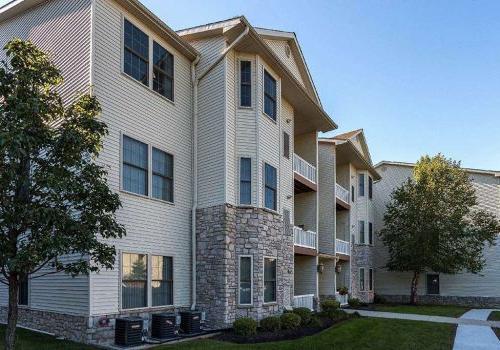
351	136
347	135
16	7
411	165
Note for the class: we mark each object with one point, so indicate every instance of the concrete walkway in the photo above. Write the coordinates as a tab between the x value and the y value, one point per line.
475	337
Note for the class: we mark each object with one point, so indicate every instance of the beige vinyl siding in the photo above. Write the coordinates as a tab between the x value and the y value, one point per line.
326	280
305	275
62	29
286	179
232	163
465	284
327	201
129	108
279	48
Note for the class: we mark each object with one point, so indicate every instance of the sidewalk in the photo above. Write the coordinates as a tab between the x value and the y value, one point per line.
471	337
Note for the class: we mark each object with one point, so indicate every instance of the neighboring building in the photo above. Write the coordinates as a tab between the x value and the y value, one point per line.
346	230
219	120
479	290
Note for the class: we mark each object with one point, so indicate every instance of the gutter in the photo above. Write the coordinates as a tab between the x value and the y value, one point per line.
196	81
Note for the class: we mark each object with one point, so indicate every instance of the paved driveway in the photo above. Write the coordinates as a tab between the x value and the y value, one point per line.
475	337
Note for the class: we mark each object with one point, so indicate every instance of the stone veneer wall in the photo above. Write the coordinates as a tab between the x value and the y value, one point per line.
362	256
473	302
223	233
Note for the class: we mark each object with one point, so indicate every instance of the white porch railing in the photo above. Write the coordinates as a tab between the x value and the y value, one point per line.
342	193
342	247
302	167
304	301
304	238
342	299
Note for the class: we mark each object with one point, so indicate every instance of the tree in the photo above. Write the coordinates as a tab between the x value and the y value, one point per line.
54	198
432	223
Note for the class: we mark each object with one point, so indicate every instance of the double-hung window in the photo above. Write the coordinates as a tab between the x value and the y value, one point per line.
370	187
163	71
361	191
23	292
163	175
245	181
286	145
370	279
361	232
269	280
135	166
271	187
269	95
162	280
370	233
352	194
245	83
134	281
361	278
136	53
245	280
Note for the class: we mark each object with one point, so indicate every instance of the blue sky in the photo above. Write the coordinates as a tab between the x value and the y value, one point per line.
420	77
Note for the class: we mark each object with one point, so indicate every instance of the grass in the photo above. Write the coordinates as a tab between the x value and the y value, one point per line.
494	316
431	310
361	333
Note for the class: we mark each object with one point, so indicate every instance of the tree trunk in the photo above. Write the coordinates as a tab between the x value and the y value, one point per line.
10	334
414	285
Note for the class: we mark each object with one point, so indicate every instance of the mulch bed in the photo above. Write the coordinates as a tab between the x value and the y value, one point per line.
283	334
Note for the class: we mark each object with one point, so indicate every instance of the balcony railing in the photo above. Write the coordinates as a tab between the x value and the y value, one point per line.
302	167
342	299
304	301
304	238
342	193
342	247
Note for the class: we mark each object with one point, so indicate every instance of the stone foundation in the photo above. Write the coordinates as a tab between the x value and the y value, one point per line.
473	302
225	232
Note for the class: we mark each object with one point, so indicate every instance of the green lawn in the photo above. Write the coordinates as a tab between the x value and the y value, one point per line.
362	333
27	340
494	316
432	310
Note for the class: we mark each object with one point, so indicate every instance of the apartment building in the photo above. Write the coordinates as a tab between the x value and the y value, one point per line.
213	148
346	224
475	290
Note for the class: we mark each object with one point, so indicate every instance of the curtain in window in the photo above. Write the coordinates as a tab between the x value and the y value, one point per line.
134	280
163	169
162	280
246	181
245	280
269	280
135	166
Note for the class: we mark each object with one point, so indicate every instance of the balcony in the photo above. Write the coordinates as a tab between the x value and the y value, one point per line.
304	301
305	175
305	240
342	248
342	197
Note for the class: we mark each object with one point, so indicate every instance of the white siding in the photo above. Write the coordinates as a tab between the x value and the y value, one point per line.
327	201
129	108
466	284
62	29
279	47
286	166
306	275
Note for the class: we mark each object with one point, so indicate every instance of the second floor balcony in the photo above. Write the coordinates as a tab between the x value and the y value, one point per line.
342	197
305	239
342	248
305	175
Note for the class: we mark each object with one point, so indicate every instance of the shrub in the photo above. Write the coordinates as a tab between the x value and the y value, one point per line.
335	315
377	299
315	322
245	326
354	302
330	305
355	315
305	315
290	320
271	324
343	290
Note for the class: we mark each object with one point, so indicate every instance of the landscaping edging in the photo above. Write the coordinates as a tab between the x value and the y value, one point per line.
472	302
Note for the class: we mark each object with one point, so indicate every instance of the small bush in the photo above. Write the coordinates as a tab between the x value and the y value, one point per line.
290	320
315	322
330	305
245	326
355	315
343	290
354	302
271	324
377	299
305	315
335	315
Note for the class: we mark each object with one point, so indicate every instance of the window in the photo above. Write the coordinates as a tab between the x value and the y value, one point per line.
23	292
270	187
162	280
269	280
370	233
433	284
286	145
245	181
269	95
135	166
361	191
245	84
136	53
163	175
361	232
134	281
245	281
370	187
352	194
361	278
370	279
163	71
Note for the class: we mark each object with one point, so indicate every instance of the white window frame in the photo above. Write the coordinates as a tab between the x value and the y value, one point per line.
264	280
251	180
151	280
364	231
252	82
251	279
364	184
148	280
372	234
264	187
278	94
364	279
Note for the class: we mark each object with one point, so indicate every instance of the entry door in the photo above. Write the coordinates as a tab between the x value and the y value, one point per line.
432	284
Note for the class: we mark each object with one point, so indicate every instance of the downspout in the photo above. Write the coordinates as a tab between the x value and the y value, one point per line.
196	81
